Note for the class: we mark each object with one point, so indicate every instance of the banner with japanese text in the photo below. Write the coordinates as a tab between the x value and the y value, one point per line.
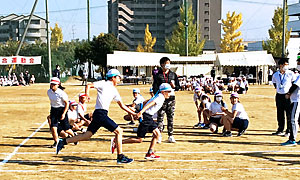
25	60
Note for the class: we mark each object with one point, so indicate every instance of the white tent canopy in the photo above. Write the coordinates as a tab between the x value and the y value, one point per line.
253	58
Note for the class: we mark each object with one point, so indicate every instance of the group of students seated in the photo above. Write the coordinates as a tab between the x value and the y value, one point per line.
210	86
216	114
77	116
13	80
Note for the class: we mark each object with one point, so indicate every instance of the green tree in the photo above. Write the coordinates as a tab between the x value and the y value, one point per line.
274	44
230	41
176	44
56	35
105	44
148	40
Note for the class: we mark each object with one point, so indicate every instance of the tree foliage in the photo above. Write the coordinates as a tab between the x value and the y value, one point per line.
56	35
148	40
230	41
176	44
274	44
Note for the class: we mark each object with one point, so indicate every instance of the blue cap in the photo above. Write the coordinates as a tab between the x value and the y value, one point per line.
112	73
136	90
165	87
150	90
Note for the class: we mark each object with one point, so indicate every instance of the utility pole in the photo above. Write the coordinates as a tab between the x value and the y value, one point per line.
25	32
73	31
186	28
48	39
88	19
283	29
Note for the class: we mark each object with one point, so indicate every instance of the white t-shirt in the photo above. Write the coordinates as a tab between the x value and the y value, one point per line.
106	92
295	96
81	109
196	97
159	101
283	81
241	113
216	107
57	98
138	100
72	115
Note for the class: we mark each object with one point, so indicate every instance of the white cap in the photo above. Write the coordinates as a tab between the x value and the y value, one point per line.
55	80
136	90
218	93
112	73
72	103
165	87
234	95
82	95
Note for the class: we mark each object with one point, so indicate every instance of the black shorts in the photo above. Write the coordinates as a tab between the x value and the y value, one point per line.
241	124
215	120
146	126
55	115
100	119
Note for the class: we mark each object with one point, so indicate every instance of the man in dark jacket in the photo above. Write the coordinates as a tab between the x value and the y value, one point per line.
56	72
165	75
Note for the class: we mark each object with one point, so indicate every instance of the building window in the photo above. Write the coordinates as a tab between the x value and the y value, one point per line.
206	28
206	36
206	20
206	4
206	12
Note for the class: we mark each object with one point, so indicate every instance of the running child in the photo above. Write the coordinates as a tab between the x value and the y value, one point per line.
59	108
237	119
106	92
148	125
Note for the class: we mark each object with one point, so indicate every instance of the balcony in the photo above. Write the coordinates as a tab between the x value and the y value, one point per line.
34	26
33	34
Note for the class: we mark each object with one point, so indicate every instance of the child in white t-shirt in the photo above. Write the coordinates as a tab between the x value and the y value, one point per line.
237	119
136	105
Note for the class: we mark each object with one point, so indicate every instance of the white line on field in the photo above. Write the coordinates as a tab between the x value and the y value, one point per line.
163	152
17	148
146	170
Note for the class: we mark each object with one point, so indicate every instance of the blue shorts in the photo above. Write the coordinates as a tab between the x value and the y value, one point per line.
100	119
146	126
55	115
241	124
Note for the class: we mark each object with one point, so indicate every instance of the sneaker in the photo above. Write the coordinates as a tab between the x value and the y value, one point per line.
289	143
59	146
131	123
227	134
159	139
278	133
124	160
202	125
171	139
206	126
286	134
241	133
197	125
113	145
151	156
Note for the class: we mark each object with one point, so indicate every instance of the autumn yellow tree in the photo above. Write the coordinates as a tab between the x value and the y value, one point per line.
230	41
56	35
148	40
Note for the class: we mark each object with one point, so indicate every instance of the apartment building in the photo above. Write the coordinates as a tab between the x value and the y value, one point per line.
127	19
13	26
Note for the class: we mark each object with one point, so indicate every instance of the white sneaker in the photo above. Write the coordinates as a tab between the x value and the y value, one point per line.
171	139
159	139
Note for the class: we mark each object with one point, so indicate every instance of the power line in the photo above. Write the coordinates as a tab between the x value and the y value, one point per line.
65	10
256	2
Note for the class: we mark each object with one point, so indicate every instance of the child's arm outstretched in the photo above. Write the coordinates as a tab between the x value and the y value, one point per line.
152	103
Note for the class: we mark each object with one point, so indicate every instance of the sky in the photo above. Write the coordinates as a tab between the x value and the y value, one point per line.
71	15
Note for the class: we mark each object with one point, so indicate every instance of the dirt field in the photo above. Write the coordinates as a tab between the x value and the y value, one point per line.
198	154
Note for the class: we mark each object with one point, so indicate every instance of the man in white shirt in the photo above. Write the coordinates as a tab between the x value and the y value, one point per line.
106	92
282	81
294	95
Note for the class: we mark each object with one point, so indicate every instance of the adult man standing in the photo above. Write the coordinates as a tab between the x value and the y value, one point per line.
165	75
260	73
282	81
56	72
213	73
